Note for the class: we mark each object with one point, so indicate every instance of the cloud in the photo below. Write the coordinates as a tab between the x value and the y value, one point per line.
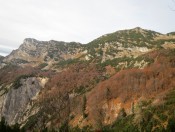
5	50
3	53
79	20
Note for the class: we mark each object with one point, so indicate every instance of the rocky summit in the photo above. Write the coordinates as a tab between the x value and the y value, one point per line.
122	81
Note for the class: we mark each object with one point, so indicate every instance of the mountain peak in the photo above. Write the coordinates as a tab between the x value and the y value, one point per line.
30	40
138	29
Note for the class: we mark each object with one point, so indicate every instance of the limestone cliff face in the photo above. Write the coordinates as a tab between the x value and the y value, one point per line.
15	102
36	52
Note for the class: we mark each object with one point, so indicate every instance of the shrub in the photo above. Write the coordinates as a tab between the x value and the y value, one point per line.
17	82
41	66
171	125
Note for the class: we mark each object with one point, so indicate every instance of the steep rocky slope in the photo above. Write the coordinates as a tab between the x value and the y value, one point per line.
57	84
34	52
124	43
17	100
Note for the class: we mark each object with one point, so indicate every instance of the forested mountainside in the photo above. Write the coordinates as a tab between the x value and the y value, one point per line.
123	81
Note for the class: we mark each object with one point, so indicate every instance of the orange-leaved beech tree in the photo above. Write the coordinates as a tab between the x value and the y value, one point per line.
131	84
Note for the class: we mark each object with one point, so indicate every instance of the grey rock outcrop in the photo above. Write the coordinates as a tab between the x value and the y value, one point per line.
15	102
33	52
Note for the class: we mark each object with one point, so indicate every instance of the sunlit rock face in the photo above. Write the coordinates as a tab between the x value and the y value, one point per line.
14	102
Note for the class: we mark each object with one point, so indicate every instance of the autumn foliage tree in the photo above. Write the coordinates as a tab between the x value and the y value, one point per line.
131	84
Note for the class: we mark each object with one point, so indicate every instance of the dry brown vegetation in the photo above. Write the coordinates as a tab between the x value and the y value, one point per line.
129	85
65	90
62	99
10	73
62	95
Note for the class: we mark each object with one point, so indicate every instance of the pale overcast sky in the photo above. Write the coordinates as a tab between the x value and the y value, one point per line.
79	20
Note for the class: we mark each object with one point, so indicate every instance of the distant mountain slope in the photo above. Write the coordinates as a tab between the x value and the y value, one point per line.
123	77
36	52
124	43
